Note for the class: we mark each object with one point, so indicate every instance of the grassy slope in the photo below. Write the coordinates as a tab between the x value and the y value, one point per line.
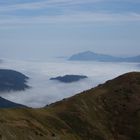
108	112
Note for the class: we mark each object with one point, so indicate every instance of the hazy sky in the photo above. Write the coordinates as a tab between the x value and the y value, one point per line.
38	29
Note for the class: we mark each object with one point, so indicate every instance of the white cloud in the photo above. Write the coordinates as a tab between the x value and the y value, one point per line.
54	3
44	4
44	91
67	16
78	17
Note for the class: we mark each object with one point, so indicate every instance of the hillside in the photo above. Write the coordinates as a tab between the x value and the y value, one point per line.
110	111
91	56
69	78
8	104
11	80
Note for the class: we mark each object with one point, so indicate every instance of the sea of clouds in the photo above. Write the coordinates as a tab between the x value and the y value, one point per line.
45	91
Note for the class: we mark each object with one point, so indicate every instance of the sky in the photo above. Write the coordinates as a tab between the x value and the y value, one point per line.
42	29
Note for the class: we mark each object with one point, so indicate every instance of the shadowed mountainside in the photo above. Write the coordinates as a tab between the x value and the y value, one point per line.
8	104
69	78
11	80
110	111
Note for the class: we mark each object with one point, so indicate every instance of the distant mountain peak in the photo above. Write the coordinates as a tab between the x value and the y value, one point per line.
92	56
87	53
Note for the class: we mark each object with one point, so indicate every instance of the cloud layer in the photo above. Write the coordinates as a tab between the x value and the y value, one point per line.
44	91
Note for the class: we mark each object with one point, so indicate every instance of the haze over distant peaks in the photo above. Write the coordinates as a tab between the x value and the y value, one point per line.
91	56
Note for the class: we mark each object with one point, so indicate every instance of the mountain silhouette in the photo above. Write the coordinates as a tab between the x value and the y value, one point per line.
69	78
91	56
8	104
11	80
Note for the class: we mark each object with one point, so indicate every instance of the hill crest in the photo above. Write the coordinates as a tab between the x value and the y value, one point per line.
111	111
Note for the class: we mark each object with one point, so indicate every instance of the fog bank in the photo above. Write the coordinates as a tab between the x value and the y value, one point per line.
45	91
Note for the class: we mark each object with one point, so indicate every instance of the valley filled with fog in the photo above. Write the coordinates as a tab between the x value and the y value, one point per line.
44	91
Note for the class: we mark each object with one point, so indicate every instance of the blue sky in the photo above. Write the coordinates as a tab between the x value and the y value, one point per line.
49	28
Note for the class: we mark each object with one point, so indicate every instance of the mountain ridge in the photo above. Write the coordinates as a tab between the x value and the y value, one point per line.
92	56
110	111
9	104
